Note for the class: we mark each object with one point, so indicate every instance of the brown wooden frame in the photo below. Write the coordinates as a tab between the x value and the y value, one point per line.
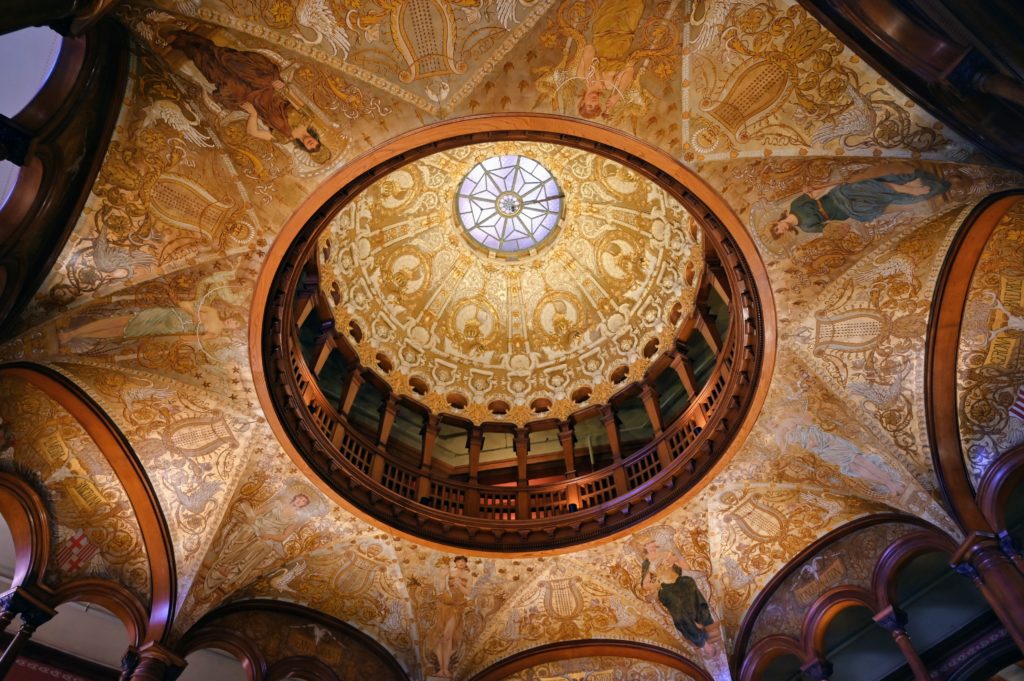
208	633
25	514
885	575
942	346
147	624
1001	480
595	647
70	121
271	360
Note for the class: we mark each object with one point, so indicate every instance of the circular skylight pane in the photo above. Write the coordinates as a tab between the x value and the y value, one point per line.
509	204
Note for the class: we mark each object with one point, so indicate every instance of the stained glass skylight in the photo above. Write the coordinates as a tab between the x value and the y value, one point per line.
509	204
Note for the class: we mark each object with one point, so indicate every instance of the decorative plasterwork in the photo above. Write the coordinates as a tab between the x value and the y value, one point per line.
618	275
991	360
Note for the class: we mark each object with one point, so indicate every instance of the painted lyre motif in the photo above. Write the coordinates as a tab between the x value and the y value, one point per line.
424	32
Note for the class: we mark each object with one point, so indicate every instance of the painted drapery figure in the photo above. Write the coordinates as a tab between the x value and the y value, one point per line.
451	611
684	601
861	200
250	81
678	593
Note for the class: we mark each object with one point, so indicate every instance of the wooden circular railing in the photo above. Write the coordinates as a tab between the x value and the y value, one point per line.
419	501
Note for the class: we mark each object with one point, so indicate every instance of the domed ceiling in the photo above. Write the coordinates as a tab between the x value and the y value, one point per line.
146	307
456	324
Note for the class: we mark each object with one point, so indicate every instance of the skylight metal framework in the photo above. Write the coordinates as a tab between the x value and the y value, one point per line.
509	204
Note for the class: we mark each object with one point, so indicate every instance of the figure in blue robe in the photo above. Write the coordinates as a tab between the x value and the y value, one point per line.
861	200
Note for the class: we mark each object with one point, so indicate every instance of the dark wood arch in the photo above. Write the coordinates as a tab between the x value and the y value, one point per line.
130	473
1001	479
25	514
66	127
570	650
765	651
885	579
307	668
231	642
821	613
746	630
212	632
112	596
941	350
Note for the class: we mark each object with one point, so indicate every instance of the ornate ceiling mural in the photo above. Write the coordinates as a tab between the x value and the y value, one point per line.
147	305
440	312
94	532
991	361
599	669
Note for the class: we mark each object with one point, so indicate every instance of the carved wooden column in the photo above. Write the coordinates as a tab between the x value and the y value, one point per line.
521	440
64	16
15	142
129	661
894	621
565	438
388	411
649	396
475	444
355	382
707	328
817	670
322	351
683	368
611	425
1011	549
156	663
33	612
430	431
981	557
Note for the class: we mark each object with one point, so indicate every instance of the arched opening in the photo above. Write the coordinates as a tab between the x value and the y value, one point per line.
7	556
213	663
27	58
85	630
937	601
782	668
858	648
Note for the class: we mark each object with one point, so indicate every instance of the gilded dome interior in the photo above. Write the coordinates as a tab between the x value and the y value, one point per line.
493	339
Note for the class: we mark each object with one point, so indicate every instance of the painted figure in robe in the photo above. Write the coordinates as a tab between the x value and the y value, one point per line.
860	200
250	81
451	610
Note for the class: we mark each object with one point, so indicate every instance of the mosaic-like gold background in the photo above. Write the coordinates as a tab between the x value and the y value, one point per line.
147	305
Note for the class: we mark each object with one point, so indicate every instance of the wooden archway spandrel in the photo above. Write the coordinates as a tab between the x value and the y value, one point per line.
117	451
1001	479
25	514
569	650
746	630
824	610
230	642
765	651
885	580
112	596
941	350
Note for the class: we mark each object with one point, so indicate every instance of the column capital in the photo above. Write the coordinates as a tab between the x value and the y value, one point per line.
151	650
607	414
32	609
892	619
1009	544
15	142
817	669
156	662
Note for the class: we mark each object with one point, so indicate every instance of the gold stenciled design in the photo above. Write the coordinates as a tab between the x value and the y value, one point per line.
541	326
